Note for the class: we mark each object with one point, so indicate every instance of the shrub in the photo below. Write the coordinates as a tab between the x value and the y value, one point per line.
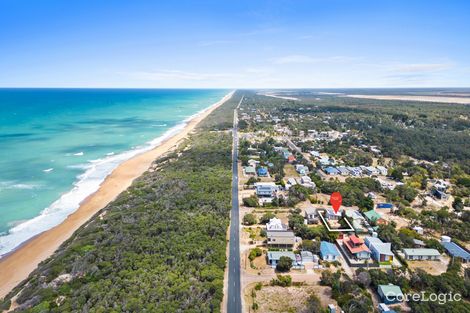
249	219
251	201
254	253
284	264
282	280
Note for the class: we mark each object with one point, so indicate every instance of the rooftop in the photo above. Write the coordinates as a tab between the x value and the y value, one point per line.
372	215
276	255
422	252
327	248
390	290
456	250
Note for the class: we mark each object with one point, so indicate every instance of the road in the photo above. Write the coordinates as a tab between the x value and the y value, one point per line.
292	146
234	300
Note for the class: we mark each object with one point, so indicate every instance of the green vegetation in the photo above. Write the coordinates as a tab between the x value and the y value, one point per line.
282	280
254	253
284	264
417	281
249	219
351	295
161	245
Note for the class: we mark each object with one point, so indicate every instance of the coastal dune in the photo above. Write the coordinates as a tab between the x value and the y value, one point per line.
16	266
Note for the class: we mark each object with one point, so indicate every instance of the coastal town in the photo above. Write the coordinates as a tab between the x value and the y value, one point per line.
293	242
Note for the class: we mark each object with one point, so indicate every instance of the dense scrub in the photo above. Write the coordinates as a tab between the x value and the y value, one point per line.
159	247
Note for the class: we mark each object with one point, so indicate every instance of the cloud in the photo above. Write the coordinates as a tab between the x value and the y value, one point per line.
421	68
304	59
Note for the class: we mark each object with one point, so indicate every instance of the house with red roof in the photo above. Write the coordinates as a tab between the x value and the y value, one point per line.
291	159
356	247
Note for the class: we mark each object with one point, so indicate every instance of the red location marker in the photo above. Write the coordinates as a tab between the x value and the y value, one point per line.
336	199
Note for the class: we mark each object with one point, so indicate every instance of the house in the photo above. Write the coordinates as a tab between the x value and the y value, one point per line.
306	256
315	154
382	170
343	170
356	247
281	239
267	189
305	180
357	221
311	215
418	243
381	252
375	150
421	254
249	170
384	206
390	294
292	181
456	251
262	171
354	171
328	251
325	162
418	229
370	170
275	256
332	215
291	159
438	194
301	169
331	170
253	163
441	185
373	217
276	224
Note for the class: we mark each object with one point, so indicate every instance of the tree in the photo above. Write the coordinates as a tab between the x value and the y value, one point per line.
314	304
251	201
251	181
296	221
266	217
249	219
254	253
284	264
458	204
397	174
363	278
282	280
311	245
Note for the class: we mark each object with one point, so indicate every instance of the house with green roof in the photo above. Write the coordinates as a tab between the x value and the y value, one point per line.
421	254
374	217
390	294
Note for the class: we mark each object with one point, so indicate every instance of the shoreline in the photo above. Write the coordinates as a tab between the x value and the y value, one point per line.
16	265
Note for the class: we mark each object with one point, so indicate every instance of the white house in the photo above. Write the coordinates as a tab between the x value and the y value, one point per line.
421	254
266	189
382	170
370	170
311	215
276	224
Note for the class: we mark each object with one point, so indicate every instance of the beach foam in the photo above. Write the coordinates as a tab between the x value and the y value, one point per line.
86	184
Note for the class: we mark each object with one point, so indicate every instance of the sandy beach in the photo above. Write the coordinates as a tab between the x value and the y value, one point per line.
16	266
459	100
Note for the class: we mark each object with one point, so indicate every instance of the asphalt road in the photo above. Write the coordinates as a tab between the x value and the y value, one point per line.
234	301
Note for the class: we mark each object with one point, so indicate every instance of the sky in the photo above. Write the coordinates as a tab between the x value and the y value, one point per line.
234	44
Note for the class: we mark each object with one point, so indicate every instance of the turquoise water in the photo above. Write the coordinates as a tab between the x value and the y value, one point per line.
58	145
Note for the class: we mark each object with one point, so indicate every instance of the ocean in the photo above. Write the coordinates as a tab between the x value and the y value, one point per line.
58	145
